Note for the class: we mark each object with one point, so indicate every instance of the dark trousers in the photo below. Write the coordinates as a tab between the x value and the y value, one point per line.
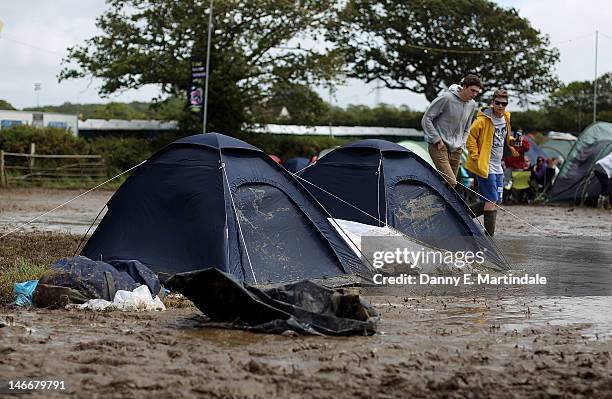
604	182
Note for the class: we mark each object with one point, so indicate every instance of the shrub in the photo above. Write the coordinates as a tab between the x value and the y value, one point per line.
49	140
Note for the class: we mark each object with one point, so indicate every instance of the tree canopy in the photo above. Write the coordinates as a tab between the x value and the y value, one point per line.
166	110
255	44
6	105
304	105
571	106
427	45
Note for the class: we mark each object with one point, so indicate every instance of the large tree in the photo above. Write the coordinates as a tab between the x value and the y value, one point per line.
255	44
304	105
426	45
570	107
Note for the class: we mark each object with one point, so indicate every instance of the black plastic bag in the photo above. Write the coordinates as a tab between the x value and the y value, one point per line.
305	306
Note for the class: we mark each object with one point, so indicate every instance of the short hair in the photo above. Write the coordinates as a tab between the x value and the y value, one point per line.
502	93
471	80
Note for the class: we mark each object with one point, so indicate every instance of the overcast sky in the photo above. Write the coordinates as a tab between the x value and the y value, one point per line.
37	32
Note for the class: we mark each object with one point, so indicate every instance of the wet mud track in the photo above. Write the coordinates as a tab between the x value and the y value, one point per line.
504	344
434	346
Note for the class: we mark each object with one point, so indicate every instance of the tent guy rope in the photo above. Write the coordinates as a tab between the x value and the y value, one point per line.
24	224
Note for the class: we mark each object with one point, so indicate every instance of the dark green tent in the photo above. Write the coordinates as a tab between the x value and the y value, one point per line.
575	182
558	145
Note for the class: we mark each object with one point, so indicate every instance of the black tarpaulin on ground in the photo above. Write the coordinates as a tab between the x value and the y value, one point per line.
304	307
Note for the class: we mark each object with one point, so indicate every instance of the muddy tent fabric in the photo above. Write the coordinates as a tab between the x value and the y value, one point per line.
210	200
377	182
575	182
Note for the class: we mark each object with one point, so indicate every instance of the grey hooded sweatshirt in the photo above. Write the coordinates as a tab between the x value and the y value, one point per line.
449	118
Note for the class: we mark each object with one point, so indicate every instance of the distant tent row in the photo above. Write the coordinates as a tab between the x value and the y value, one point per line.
214	201
575	182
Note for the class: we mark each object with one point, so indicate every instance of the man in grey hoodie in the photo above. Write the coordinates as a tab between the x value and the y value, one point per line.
446	124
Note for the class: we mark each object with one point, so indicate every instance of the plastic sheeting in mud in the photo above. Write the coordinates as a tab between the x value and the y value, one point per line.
304	307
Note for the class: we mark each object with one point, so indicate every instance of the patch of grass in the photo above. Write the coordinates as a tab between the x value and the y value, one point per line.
36	247
25	256
19	271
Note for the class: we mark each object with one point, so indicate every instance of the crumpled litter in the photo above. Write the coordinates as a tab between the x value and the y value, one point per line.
139	300
22	292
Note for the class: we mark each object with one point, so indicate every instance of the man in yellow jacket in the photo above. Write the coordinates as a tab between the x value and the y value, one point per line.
485	144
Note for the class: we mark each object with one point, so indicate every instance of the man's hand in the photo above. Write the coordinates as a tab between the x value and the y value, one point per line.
440	144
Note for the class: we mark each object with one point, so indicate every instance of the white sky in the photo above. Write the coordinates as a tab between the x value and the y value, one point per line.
37	32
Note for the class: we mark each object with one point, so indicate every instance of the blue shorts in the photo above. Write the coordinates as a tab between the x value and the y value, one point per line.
492	188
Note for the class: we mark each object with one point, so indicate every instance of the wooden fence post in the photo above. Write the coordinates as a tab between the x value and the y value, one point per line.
32	152
2	175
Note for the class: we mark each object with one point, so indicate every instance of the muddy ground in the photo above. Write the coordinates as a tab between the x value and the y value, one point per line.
498	345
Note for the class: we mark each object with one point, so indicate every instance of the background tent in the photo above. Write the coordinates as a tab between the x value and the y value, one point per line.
214	201
419	148
558	145
534	151
575	182
377	182
296	164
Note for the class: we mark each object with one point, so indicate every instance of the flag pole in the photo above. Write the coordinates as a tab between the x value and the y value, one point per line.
210	19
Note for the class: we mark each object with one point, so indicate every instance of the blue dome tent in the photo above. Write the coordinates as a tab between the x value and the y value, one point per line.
377	182
211	200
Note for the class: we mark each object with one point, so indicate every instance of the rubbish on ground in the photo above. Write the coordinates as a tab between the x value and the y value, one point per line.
79	279
138	300
22	292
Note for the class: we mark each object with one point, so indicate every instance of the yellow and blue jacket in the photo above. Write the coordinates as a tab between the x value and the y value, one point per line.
480	141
